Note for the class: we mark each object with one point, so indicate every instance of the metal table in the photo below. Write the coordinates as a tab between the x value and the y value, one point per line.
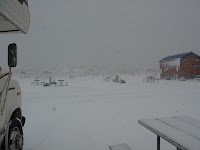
181	131
37	82
61	82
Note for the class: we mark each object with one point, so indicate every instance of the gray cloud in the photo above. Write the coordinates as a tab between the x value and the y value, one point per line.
130	32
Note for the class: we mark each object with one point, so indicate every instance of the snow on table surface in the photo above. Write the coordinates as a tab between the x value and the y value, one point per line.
90	114
120	147
181	131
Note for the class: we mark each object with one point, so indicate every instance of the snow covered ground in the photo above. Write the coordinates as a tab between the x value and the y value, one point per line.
90	114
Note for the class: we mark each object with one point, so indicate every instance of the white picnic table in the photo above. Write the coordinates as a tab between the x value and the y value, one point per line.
181	131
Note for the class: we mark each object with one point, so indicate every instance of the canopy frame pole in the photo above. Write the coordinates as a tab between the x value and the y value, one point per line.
158	142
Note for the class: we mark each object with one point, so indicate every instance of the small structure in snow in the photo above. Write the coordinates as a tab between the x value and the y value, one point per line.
150	79
107	79
46	84
116	79
122	81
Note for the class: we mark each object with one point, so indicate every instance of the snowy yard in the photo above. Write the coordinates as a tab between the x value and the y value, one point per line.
90	114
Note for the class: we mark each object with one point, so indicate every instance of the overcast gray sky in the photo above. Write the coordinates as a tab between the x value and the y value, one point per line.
130	32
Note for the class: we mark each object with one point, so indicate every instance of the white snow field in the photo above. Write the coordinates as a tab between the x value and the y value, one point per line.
90	114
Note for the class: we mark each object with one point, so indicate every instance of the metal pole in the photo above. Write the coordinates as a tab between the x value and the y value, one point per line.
158	143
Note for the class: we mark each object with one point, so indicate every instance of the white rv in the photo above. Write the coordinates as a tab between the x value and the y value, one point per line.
14	17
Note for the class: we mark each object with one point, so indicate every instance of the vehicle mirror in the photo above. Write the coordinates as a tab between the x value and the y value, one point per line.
12	55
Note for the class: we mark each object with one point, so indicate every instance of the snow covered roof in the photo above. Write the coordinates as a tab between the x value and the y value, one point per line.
172	57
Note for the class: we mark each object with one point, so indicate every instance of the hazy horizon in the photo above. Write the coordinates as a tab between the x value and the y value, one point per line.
132	33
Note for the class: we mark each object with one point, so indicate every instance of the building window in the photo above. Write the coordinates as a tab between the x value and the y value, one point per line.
166	67
196	66
184	59
196	59
177	68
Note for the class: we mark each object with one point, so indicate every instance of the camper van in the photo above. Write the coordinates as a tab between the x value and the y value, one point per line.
14	18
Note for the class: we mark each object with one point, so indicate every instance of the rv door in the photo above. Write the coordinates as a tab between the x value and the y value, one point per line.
14	16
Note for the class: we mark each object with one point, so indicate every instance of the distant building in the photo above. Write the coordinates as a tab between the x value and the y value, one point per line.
185	65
